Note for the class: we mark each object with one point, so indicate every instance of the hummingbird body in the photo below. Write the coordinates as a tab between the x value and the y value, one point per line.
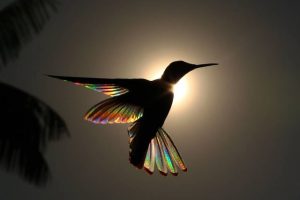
158	100
146	105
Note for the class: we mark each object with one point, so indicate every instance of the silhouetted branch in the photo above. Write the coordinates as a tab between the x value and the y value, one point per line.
19	22
26	126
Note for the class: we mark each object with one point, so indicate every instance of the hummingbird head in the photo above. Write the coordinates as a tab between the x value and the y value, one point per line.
176	70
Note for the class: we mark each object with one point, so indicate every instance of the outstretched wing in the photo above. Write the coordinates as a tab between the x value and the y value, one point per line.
114	110
118	109
111	87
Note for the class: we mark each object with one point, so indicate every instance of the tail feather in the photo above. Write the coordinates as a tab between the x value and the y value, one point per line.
166	157
172	149
149	163
159	151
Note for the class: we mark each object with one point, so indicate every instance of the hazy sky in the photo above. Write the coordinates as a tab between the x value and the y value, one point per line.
238	131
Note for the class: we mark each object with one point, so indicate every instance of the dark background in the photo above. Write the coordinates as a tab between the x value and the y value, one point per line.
238	131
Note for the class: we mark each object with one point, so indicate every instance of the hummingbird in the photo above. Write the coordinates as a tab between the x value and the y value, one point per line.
145	104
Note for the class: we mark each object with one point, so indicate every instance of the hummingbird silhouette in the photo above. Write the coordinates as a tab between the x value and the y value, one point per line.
146	105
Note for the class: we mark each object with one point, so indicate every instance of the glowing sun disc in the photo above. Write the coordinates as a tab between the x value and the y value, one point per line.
180	90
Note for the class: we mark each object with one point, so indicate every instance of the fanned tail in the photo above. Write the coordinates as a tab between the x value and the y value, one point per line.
164	153
161	152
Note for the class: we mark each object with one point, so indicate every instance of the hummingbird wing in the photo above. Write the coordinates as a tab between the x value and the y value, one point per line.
114	110
118	109
161	152
111	87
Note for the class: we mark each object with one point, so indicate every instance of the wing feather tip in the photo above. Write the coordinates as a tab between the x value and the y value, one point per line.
57	77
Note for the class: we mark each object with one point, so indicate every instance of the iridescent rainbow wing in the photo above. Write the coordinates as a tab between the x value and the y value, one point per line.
114	110
164	154
108	89
119	108
111	87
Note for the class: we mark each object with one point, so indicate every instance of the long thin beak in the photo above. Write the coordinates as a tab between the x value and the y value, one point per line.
205	65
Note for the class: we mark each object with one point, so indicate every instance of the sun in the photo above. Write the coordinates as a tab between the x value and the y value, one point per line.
180	90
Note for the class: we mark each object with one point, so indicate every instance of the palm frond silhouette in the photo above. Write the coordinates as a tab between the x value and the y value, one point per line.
146	105
20	21
27	126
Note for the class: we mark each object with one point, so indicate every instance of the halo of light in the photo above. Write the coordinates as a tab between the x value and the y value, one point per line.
180	90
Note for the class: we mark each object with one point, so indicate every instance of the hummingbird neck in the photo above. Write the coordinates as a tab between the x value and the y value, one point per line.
171	78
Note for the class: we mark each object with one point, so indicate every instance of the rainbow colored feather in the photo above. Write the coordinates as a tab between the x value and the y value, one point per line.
114	110
108	89
163	153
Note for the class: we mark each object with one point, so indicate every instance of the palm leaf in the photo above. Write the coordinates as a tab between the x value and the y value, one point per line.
20	21
27	125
